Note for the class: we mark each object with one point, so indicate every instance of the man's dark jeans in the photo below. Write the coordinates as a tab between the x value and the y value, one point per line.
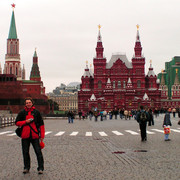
143	131
25	149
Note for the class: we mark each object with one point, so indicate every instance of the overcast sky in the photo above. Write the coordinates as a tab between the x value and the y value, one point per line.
65	33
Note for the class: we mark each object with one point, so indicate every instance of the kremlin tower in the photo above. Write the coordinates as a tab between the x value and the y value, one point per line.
12	58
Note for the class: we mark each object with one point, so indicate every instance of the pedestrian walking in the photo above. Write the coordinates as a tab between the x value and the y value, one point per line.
101	114
174	112
83	115
69	116
121	113
105	114
167	124
96	115
80	115
151	118
33	132
126	114
115	113
129	115
110	115
142	118
90	115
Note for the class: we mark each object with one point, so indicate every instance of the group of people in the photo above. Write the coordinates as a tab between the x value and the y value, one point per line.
113	114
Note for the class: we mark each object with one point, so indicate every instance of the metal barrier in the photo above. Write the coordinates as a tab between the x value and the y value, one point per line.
7	121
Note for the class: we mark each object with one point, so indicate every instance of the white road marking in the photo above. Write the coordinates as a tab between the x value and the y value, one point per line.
74	133
88	134
102	133
117	133
60	133
158	130
132	132
13	134
5	132
175	130
48	132
149	132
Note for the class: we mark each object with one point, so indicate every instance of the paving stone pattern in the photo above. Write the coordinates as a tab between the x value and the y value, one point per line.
96	157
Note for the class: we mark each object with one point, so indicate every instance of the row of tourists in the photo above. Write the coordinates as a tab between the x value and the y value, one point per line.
113	114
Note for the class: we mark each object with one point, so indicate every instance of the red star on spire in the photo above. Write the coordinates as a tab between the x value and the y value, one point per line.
13	5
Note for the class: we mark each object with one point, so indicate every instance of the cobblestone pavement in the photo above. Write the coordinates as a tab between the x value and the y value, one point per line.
88	150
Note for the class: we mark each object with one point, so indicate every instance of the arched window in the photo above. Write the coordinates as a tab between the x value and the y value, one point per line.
99	84
16	71
119	84
138	83
99	106
124	84
86	85
11	70
151	84
109	103
114	84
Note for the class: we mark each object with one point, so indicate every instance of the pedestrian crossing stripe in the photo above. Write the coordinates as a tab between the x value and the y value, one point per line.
161	131
6	132
175	130
13	134
74	133
101	133
88	134
149	132
48	132
117	133
132	132
60	133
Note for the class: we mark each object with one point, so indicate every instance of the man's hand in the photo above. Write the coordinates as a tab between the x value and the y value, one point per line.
28	121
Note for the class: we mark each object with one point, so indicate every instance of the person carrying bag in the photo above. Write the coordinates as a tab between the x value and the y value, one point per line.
33	132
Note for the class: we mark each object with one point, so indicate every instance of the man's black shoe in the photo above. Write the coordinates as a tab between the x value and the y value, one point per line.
25	171
40	172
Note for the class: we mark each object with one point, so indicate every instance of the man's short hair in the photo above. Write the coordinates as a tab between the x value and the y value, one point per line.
141	107
29	98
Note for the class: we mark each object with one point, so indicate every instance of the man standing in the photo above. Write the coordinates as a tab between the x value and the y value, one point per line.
32	124
142	118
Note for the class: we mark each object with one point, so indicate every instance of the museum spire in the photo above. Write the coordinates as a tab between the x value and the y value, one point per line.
137	48
99	48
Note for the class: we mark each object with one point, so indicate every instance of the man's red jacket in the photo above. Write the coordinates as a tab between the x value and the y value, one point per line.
37	124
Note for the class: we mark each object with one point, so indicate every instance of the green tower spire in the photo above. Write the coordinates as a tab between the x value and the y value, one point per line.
35	73
12	31
35	53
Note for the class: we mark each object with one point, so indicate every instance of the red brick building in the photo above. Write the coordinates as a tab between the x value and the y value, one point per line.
118	83
13	86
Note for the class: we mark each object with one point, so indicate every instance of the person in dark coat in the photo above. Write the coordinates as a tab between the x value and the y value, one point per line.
142	122
69	116
151	118
32	123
